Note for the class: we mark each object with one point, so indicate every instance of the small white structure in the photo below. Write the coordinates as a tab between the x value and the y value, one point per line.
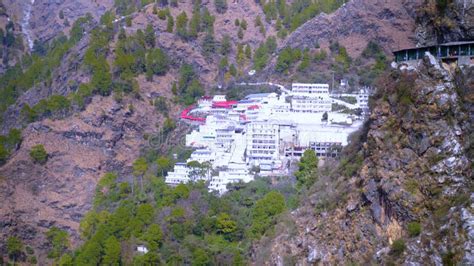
178	175
219	98
142	249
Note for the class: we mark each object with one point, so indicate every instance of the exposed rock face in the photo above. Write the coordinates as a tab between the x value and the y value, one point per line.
454	23
416	168
107	136
43	21
390	23
66	79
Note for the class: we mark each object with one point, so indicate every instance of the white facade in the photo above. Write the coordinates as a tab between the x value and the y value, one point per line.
178	175
309	88
234	173
310	98
225	137
219	98
311	104
262	142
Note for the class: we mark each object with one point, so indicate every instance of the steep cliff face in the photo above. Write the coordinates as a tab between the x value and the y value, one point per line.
416	172
41	19
448	22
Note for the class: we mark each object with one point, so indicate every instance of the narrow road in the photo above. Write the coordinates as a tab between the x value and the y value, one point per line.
281	87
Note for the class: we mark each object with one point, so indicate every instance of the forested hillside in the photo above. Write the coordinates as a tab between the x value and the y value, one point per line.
89	123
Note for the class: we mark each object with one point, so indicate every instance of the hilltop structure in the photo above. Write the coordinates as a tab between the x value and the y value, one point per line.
461	52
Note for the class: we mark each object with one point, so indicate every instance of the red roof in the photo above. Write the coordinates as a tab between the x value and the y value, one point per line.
185	115
225	104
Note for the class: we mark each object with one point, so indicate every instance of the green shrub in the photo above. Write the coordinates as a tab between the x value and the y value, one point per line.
33	260
14	247
163	13
39	154
411	185
449	259
398	247
29	250
414	229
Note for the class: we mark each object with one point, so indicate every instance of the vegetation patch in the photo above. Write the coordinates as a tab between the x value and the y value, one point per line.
414	229
397	248
38	154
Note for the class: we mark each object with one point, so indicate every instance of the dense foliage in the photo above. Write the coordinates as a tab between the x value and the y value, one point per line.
180	225
307	169
290	16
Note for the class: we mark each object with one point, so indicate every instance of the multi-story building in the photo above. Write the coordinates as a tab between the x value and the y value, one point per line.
310	98
225	137
179	174
234	173
262	142
313	104
326	149
306	89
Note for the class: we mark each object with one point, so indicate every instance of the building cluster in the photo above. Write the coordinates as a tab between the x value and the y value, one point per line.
264	132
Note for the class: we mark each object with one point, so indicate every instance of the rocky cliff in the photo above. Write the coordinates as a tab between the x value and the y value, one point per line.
445	21
416	172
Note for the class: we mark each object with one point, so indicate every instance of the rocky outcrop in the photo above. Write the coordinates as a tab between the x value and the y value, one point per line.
416	169
455	22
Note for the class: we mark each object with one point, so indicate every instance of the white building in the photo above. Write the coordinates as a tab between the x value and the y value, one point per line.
142	249
182	173
202	155
262	142
265	130
219	98
310	98
178	175
314	104
234	173
225	137
305	89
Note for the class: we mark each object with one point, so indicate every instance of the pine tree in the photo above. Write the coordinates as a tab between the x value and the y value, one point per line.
248	52
226	45
170	24
150	36
181	23
112	251
194	25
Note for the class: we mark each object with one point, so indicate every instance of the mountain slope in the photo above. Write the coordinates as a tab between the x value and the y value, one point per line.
410	201
389	23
